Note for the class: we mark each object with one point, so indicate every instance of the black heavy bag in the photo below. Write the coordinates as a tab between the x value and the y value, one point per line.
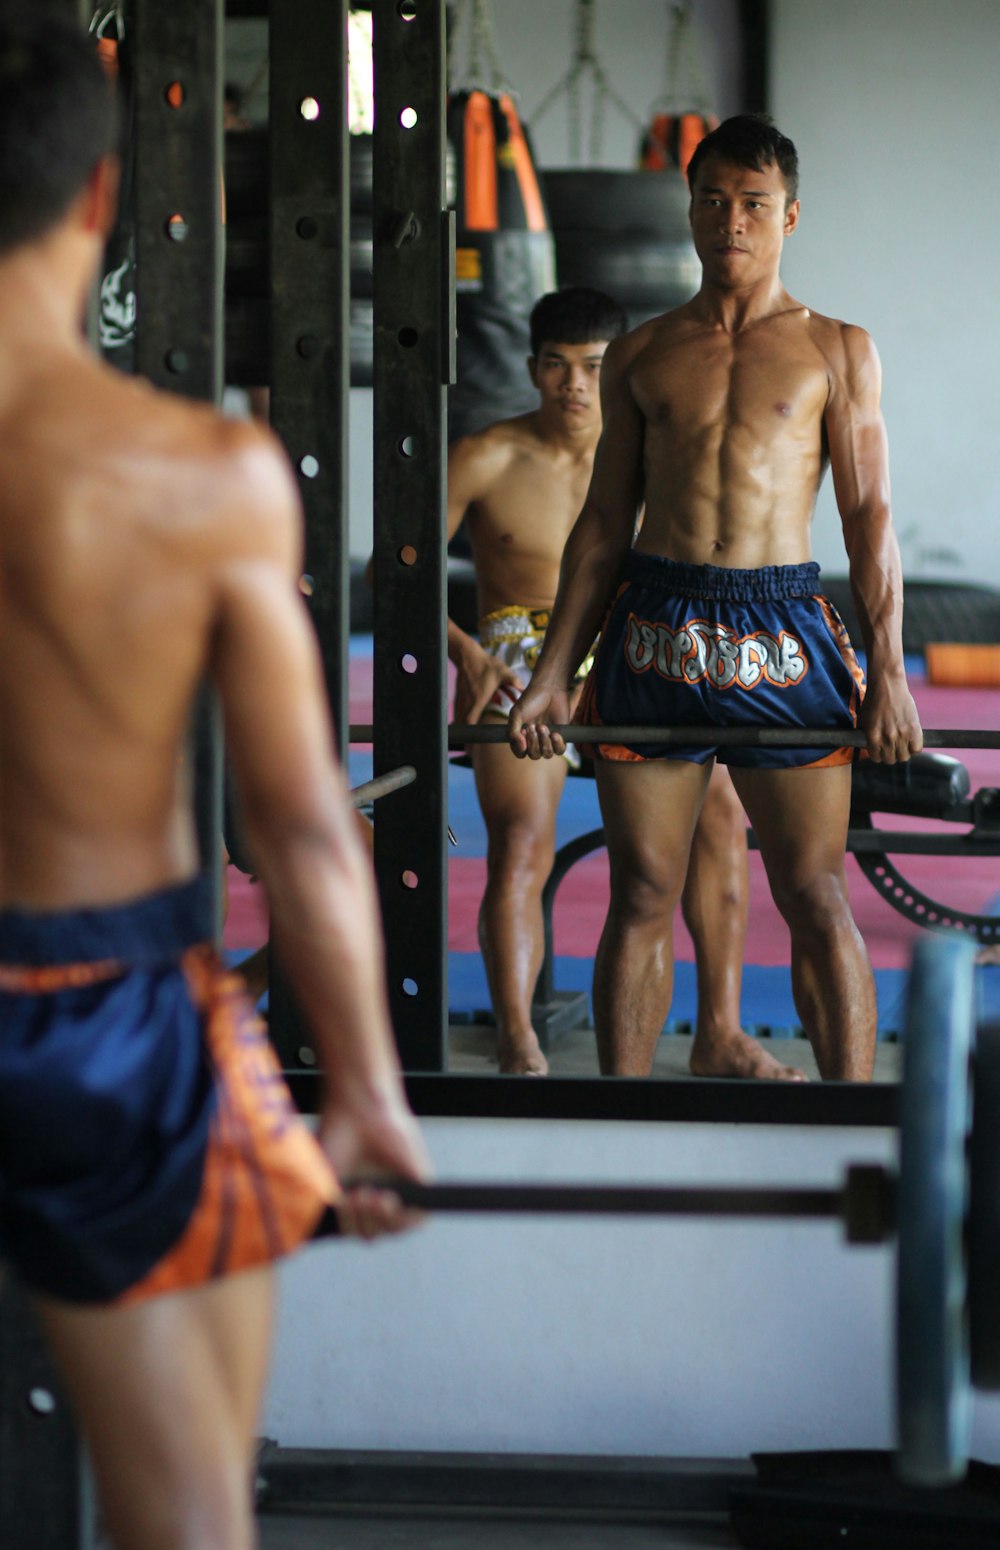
626	233
504	259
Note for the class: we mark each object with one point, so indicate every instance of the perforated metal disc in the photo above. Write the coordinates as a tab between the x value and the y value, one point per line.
984	1212
933	1391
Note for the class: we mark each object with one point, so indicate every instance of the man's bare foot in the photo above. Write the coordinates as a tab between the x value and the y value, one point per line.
521	1055
737	1054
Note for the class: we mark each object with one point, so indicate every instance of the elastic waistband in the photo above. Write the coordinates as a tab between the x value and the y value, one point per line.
514	621
153	929
719	581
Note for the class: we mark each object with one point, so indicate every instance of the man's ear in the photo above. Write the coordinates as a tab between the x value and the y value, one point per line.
792	217
532	366
99	200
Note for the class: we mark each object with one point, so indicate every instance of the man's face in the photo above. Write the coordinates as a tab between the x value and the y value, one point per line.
567	377
739	221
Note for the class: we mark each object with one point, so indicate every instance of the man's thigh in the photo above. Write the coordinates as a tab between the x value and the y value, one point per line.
167	1392
800	816
517	791
650	808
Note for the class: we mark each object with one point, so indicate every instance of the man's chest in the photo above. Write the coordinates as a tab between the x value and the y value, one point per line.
772	387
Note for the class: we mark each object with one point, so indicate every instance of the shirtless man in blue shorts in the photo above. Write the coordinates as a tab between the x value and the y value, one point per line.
519	485
151	1164
722	416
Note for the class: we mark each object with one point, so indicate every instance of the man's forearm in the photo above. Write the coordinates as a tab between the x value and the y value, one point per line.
589	572
877	588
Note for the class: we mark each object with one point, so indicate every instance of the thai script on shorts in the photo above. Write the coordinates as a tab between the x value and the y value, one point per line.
701	651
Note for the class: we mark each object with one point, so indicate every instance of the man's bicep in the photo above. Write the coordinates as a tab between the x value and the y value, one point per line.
855	430
471	468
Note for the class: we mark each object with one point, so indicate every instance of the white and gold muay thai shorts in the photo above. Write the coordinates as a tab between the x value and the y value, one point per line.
515	635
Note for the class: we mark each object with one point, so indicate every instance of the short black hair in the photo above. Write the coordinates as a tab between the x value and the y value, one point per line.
750	140
575	315
58	118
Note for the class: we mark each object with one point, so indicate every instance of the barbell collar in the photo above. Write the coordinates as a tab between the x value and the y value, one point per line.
461	734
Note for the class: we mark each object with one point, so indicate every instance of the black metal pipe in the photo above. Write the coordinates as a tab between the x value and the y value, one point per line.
620	1199
383	785
706	737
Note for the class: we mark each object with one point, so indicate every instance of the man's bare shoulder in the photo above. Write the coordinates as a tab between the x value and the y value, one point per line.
233	475
496	444
849	354
480	461
664	329
846	345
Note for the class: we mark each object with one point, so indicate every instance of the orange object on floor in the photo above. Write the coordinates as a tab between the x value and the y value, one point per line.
962	666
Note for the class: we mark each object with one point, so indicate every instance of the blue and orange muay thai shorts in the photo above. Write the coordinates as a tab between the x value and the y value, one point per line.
148	1142
702	645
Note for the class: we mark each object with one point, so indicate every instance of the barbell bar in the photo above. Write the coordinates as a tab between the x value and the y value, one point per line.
460	734
382	785
942	1205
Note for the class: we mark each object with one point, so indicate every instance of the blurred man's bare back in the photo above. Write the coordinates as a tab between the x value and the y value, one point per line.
120	508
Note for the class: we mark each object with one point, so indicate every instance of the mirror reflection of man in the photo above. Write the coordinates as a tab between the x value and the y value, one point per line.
723	416
519	485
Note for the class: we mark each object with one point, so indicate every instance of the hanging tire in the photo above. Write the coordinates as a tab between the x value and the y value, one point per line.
618	201
637	270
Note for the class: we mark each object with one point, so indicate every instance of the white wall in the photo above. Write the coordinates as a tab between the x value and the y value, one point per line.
600	1336
893	106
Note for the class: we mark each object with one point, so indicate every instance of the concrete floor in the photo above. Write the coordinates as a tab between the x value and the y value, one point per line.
472	1049
463	1530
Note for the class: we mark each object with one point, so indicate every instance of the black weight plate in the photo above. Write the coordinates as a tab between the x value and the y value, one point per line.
637	271
984	1212
612	200
933	1391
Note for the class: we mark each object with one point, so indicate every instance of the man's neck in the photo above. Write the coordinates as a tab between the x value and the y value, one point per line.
43	292
735	309
554	432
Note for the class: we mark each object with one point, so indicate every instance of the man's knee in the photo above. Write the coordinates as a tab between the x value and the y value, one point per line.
214	1509
520	852
721	816
645	885
814	903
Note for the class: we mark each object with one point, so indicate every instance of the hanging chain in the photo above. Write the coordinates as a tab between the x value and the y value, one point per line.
104	16
483	70
585	64
685	78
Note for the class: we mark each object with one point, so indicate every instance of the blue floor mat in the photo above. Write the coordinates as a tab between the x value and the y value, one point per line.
767	1007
